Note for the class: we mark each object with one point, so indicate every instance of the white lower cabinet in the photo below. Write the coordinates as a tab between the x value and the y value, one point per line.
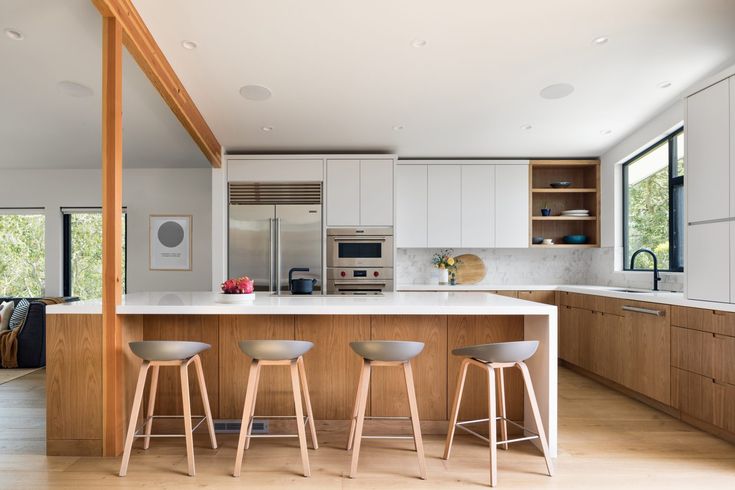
444	206
708	261
411	206
511	206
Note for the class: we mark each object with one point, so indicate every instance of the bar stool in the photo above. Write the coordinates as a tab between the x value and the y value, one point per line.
157	353
277	353
493	358
385	353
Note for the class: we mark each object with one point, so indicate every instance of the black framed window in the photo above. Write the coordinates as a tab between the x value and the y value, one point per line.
653	205
83	252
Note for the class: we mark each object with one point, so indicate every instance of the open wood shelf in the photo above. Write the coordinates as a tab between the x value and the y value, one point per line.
564	218
567	190
566	245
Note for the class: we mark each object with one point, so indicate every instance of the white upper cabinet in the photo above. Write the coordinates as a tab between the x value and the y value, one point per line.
708	262
376	192
411	206
343	192
708	154
732	152
444	198
511	206
359	192
478	206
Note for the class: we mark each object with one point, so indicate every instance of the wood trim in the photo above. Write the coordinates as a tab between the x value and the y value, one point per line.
112	356
140	43
74	447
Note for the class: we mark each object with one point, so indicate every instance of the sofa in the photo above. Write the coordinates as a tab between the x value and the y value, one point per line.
32	338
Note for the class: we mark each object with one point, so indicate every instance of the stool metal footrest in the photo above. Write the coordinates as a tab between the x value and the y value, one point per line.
386	418
266	436
147	419
461	425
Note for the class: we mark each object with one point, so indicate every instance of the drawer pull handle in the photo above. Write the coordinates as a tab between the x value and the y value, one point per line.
645	311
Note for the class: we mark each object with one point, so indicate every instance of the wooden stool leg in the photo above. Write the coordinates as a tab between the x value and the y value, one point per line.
246	417
307	401
492	426
295	385
361	406
205	400
139	388
186	401
151	406
501	406
536	416
356	409
415	423
455	407
252	410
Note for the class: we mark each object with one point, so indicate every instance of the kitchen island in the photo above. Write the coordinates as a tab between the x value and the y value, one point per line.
443	321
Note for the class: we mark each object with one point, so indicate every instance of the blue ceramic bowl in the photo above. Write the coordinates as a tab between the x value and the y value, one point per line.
575	239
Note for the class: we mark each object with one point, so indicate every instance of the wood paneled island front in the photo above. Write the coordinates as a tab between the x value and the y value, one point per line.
443	321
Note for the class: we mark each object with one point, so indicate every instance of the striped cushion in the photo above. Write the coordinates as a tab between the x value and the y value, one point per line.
19	314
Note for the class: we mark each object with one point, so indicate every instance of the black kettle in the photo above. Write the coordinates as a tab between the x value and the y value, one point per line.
300	286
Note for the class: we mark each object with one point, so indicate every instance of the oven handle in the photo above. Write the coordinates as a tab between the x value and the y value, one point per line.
359	283
360	239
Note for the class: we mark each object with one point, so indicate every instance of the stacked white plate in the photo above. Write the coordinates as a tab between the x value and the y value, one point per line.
576	212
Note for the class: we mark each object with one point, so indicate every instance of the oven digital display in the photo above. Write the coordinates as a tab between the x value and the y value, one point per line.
359	274
361	250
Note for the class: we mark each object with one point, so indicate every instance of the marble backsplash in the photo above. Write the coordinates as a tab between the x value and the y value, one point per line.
531	267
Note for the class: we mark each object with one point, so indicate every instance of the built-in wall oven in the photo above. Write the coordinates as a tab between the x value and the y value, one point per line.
359	260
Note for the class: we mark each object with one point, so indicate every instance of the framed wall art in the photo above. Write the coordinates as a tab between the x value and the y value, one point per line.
170	242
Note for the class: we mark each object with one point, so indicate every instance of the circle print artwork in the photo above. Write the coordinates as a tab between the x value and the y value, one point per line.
170	234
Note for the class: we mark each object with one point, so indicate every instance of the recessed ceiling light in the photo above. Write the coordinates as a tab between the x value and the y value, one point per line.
255	92
419	43
600	40
399	127
556	91
188	45
74	89
267	129
14	35
606	132
664	84
526	127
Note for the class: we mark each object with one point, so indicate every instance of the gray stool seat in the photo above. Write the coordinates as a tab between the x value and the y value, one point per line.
387	350
275	350
167	350
499	352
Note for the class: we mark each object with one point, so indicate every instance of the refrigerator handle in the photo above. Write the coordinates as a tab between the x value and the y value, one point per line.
278	255
271	262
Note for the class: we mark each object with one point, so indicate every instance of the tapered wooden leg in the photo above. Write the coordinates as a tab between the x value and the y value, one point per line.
205	401
536	416
455	407
501	406
186	401
137	400
356	408
295	385
151	406
246	411
307	401
492	427
361	406
415	422
252	410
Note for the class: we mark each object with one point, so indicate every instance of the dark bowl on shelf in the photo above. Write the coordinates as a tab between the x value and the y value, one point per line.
575	239
537	240
561	185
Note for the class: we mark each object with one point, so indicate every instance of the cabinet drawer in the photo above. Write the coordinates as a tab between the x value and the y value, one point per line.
584	301
721	322
724	359
548	297
692	350
694	395
724	412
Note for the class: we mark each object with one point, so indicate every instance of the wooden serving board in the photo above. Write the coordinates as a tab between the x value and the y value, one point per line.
471	270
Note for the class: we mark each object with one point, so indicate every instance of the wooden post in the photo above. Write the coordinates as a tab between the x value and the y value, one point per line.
112	358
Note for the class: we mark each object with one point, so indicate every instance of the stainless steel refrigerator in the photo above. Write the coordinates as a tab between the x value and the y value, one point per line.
272	229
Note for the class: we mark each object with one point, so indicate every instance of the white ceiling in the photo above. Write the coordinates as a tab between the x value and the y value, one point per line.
41	127
344	73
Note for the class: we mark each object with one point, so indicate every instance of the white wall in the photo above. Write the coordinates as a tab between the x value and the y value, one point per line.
145	192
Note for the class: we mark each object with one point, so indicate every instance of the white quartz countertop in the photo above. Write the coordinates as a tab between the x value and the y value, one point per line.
401	303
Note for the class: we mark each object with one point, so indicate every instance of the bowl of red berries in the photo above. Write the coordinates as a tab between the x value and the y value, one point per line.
237	291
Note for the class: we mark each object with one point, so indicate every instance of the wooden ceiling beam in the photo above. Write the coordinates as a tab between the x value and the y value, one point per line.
143	47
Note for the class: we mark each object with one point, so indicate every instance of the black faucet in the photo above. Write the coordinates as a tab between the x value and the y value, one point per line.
656	277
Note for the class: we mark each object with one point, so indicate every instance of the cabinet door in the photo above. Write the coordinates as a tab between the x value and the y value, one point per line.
569	334
511	206
376	192
651	348
708	153
708	262
411	206
343	192
478	206
444	192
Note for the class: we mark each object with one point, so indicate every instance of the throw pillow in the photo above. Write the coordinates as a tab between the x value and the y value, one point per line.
6	310
18	318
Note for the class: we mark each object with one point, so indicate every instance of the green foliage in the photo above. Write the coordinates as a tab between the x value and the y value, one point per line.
648	219
22	255
86	255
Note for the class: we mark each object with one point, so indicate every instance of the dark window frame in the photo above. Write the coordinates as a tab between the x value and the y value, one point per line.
676	236
66	258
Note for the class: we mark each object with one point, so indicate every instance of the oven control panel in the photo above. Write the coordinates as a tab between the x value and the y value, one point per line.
360	273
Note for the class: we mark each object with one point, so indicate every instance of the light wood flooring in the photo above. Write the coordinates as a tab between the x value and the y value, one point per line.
606	441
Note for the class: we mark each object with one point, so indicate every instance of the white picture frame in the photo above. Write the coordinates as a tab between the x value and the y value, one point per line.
170	242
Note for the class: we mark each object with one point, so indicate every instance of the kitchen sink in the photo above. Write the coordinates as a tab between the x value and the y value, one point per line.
631	291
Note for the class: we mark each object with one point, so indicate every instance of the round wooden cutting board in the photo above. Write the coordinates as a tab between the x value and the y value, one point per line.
471	269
